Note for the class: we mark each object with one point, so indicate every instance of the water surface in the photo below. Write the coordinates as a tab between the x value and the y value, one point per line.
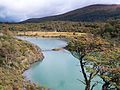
59	70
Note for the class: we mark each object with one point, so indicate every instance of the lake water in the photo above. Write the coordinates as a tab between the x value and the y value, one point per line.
59	70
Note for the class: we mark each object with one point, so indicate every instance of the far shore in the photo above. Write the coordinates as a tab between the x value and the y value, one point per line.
49	34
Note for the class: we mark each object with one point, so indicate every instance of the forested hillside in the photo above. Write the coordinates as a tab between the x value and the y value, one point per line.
98	12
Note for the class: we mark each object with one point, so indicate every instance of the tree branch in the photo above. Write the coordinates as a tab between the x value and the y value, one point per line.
81	81
94	85
82	67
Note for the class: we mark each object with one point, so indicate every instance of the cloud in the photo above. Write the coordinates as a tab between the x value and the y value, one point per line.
18	10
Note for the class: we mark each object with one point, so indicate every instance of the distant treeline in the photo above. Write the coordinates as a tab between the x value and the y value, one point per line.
109	29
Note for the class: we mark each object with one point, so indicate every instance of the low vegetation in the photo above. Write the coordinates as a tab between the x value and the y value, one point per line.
98	57
15	57
109	29
98	50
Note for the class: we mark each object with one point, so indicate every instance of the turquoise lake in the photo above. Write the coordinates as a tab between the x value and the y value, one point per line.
59	70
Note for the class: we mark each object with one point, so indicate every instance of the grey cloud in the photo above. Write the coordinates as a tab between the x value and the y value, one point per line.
23	9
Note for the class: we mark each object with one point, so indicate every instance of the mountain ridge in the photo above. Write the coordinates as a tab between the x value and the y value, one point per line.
96	12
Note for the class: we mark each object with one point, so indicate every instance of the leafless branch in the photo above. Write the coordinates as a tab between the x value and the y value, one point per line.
81	81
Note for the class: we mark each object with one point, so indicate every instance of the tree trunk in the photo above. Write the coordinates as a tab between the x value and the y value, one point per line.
105	86
87	86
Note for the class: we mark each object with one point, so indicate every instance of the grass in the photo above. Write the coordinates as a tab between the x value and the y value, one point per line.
49	34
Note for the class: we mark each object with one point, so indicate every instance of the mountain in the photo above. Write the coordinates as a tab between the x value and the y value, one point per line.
98	12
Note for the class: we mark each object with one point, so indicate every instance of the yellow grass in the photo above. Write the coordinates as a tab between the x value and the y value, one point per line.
49	34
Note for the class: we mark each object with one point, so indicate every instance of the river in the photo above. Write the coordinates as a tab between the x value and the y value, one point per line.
59	70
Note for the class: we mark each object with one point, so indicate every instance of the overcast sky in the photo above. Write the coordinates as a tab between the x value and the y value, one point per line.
18	10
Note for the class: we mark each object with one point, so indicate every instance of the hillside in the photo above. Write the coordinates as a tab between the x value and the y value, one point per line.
96	12
15	57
